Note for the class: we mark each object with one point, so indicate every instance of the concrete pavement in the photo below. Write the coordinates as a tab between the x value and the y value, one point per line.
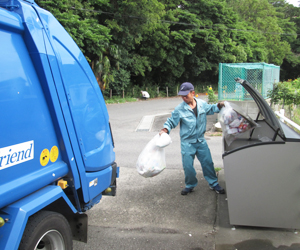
232	237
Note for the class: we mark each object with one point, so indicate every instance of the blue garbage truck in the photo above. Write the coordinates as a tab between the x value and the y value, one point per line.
57	155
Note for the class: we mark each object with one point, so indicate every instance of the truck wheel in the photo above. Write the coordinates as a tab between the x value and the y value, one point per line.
47	230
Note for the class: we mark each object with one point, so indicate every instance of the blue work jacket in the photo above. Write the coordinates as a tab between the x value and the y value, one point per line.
192	128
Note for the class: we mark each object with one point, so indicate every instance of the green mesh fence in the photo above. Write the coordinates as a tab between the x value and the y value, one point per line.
262	76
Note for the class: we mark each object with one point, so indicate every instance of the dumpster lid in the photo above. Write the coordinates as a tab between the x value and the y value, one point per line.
263	106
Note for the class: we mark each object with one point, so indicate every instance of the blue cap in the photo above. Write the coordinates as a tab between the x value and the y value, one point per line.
185	88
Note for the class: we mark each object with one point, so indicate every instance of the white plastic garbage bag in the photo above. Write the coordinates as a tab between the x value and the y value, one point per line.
151	160
163	140
145	94
234	122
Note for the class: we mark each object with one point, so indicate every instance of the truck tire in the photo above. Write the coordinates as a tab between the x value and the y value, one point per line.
47	230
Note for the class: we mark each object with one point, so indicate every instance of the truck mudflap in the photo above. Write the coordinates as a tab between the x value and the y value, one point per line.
112	189
16	215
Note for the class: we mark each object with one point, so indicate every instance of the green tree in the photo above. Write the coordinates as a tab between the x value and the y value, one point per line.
90	36
290	67
203	34
165	42
121	80
214	38
102	66
129	21
265	20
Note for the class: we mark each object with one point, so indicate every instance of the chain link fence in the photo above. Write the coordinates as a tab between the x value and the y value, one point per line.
262	76
155	91
135	92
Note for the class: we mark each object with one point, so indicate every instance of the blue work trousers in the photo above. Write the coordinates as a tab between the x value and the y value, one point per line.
201	150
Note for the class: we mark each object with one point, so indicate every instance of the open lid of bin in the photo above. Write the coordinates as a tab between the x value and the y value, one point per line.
263	106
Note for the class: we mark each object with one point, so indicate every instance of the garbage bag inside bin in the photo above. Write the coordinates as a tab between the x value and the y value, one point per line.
234	122
151	160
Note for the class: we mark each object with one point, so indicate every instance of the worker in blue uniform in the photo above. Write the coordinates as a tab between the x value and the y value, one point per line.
191	114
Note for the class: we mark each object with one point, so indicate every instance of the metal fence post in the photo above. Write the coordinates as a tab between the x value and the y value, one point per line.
220	84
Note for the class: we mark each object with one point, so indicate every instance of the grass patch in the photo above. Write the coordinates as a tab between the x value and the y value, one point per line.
209	133
218	169
297	115
120	100
296	118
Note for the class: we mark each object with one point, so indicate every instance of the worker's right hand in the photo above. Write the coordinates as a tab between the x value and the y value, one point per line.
220	105
164	130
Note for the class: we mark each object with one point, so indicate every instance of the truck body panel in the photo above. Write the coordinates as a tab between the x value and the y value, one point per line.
23	106
54	122
83	94
19	212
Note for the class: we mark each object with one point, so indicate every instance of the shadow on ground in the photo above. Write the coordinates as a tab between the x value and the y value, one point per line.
256	244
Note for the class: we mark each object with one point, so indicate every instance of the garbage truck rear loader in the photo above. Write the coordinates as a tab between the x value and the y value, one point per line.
56	147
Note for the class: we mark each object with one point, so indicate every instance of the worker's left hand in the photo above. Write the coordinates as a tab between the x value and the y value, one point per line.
220	105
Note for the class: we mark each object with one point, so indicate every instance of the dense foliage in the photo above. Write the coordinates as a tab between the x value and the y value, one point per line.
286	93
161	43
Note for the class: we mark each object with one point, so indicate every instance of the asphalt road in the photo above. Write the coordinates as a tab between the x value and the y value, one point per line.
150	213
